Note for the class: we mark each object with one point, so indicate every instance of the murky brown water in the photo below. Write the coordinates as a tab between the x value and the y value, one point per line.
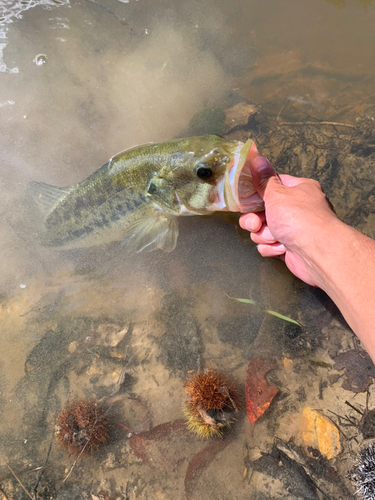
80	81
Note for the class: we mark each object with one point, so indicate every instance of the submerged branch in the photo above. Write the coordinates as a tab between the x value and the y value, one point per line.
329	123
19	482
332	124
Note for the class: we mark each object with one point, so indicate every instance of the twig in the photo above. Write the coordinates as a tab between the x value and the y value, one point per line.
75	461
3	495
333	124
127	487
353	407
42	469
279	113
224	390
352	423
367	399
124	427
19	482
338	424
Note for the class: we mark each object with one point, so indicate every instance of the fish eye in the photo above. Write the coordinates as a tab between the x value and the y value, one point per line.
204	172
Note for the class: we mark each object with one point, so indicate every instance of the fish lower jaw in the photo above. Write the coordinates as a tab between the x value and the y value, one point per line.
247	199
220	203
239	192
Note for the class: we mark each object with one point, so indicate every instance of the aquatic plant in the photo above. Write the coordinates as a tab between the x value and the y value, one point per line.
212	403
362	474
82	426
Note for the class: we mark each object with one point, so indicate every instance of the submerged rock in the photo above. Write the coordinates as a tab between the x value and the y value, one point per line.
181	345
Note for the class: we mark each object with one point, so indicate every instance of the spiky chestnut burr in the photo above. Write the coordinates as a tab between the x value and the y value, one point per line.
362	474
212	403
82	426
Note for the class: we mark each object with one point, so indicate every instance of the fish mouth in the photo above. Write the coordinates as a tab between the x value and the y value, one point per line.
240	194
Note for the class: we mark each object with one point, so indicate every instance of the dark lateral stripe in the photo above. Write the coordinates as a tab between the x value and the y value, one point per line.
71	236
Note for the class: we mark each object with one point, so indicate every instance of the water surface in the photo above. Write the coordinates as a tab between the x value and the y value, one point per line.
81	81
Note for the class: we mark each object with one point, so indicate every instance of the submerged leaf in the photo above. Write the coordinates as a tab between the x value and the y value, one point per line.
359	370
151	447
199	463
257	391
320	433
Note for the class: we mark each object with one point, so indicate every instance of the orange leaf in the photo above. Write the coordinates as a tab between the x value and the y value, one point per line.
257	391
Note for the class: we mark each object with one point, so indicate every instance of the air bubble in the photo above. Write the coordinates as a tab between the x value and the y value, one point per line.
40	59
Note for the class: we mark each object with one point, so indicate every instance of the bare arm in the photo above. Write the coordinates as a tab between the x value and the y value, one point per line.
299	227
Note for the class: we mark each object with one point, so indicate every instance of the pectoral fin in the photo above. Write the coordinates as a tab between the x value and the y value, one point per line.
155	231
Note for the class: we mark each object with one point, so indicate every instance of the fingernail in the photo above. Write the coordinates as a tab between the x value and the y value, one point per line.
249	225
263	167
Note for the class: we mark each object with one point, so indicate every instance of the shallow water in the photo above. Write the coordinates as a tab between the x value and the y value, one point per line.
81	81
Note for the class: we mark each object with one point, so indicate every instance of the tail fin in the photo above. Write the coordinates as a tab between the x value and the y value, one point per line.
46	196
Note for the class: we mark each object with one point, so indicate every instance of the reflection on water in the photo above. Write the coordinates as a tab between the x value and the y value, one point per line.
127	329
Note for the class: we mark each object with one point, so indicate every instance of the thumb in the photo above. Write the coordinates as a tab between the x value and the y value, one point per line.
261	172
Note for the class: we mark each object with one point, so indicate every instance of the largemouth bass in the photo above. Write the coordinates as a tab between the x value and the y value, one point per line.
139	193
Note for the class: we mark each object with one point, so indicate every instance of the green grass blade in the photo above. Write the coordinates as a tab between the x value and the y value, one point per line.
319	363
285	318
245	301
273	313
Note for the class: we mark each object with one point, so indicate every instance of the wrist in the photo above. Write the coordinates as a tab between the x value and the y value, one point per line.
330	250
345	270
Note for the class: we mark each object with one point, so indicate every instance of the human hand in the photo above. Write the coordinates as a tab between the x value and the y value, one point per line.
296	220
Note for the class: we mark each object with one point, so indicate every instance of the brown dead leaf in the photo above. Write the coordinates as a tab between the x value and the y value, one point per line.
153	447
199	463
359	370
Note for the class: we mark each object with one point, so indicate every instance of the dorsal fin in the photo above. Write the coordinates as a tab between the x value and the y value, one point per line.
122	153
47	196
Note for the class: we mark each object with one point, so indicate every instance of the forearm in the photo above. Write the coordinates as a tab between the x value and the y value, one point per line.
345	263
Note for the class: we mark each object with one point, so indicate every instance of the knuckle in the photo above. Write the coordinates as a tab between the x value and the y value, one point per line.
315	184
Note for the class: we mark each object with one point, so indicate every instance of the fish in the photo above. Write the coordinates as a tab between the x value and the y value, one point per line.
139	194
